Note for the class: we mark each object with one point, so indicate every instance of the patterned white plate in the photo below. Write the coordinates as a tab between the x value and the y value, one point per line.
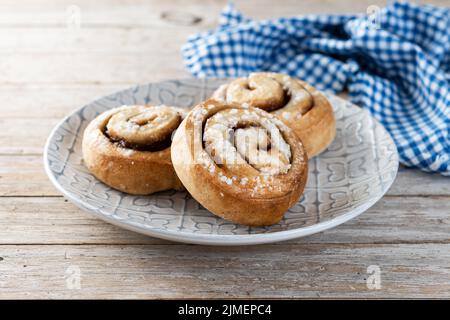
344	181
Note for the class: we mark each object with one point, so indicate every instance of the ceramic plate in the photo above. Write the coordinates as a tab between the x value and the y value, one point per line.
344	181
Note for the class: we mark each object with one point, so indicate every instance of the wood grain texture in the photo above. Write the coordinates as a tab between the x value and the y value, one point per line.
36	102
181	271
49	70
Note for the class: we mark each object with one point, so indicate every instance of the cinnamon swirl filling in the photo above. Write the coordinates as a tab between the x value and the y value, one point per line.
236	137
267	91
143	128
303	108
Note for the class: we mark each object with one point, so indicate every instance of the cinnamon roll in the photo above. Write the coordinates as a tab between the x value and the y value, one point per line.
303	108
128	148
241	163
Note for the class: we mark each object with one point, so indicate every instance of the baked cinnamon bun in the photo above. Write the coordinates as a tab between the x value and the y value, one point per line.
303	108
241	163
128	148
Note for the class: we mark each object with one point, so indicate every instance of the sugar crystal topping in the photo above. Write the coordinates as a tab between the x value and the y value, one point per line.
236	138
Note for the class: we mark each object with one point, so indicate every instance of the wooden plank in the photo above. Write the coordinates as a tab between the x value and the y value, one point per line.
391	220
23	175
106	40
106	13
180	271
49	101
395	220
411	181
149	13
28	221
91	67
24	135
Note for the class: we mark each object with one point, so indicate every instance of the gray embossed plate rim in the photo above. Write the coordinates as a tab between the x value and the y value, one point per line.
344	181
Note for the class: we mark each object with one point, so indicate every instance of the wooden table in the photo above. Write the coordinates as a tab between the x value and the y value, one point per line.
47	244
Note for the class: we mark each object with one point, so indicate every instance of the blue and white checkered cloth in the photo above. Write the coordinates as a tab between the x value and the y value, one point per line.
395	63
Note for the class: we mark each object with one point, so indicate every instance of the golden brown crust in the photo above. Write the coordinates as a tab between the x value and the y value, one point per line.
248	191
120	166
296	103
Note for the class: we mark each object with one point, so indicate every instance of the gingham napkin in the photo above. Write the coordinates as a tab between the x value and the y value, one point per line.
395	63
